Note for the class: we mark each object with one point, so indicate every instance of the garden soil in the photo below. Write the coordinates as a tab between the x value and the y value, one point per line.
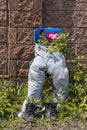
63	125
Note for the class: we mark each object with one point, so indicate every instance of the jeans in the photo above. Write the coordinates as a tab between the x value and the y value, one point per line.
51	63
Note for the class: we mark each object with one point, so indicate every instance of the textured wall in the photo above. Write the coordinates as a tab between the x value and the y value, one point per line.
19	18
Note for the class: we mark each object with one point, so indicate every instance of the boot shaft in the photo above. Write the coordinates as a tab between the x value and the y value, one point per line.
30	108
51	111
29	112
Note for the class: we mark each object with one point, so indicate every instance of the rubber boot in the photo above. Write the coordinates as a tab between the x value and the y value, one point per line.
54	111
29	112
50	111
47	111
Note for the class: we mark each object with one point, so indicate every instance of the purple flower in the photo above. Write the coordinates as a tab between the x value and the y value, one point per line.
56	95
41	31
52	88
49	39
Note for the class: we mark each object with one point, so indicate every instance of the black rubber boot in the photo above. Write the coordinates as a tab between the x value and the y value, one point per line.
51	111
47	111
54	111
29	113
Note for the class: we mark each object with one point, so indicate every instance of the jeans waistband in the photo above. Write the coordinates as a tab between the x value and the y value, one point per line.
43	47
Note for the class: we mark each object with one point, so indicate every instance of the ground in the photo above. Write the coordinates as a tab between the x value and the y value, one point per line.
20	124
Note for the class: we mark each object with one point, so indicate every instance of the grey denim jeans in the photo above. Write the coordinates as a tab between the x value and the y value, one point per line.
53	64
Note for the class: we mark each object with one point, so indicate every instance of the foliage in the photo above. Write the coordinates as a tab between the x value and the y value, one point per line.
11	97
56	42
48	91
76	103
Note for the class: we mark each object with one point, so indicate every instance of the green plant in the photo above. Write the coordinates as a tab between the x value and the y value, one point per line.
55	42
76	103
48	91
11	97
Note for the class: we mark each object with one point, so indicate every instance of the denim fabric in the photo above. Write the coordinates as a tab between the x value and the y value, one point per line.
53	64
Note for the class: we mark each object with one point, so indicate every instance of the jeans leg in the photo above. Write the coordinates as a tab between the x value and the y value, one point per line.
60	76
35	80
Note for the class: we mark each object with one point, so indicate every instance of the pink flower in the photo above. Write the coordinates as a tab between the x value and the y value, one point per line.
53	36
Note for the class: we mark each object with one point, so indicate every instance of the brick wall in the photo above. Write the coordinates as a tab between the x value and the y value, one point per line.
19	18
